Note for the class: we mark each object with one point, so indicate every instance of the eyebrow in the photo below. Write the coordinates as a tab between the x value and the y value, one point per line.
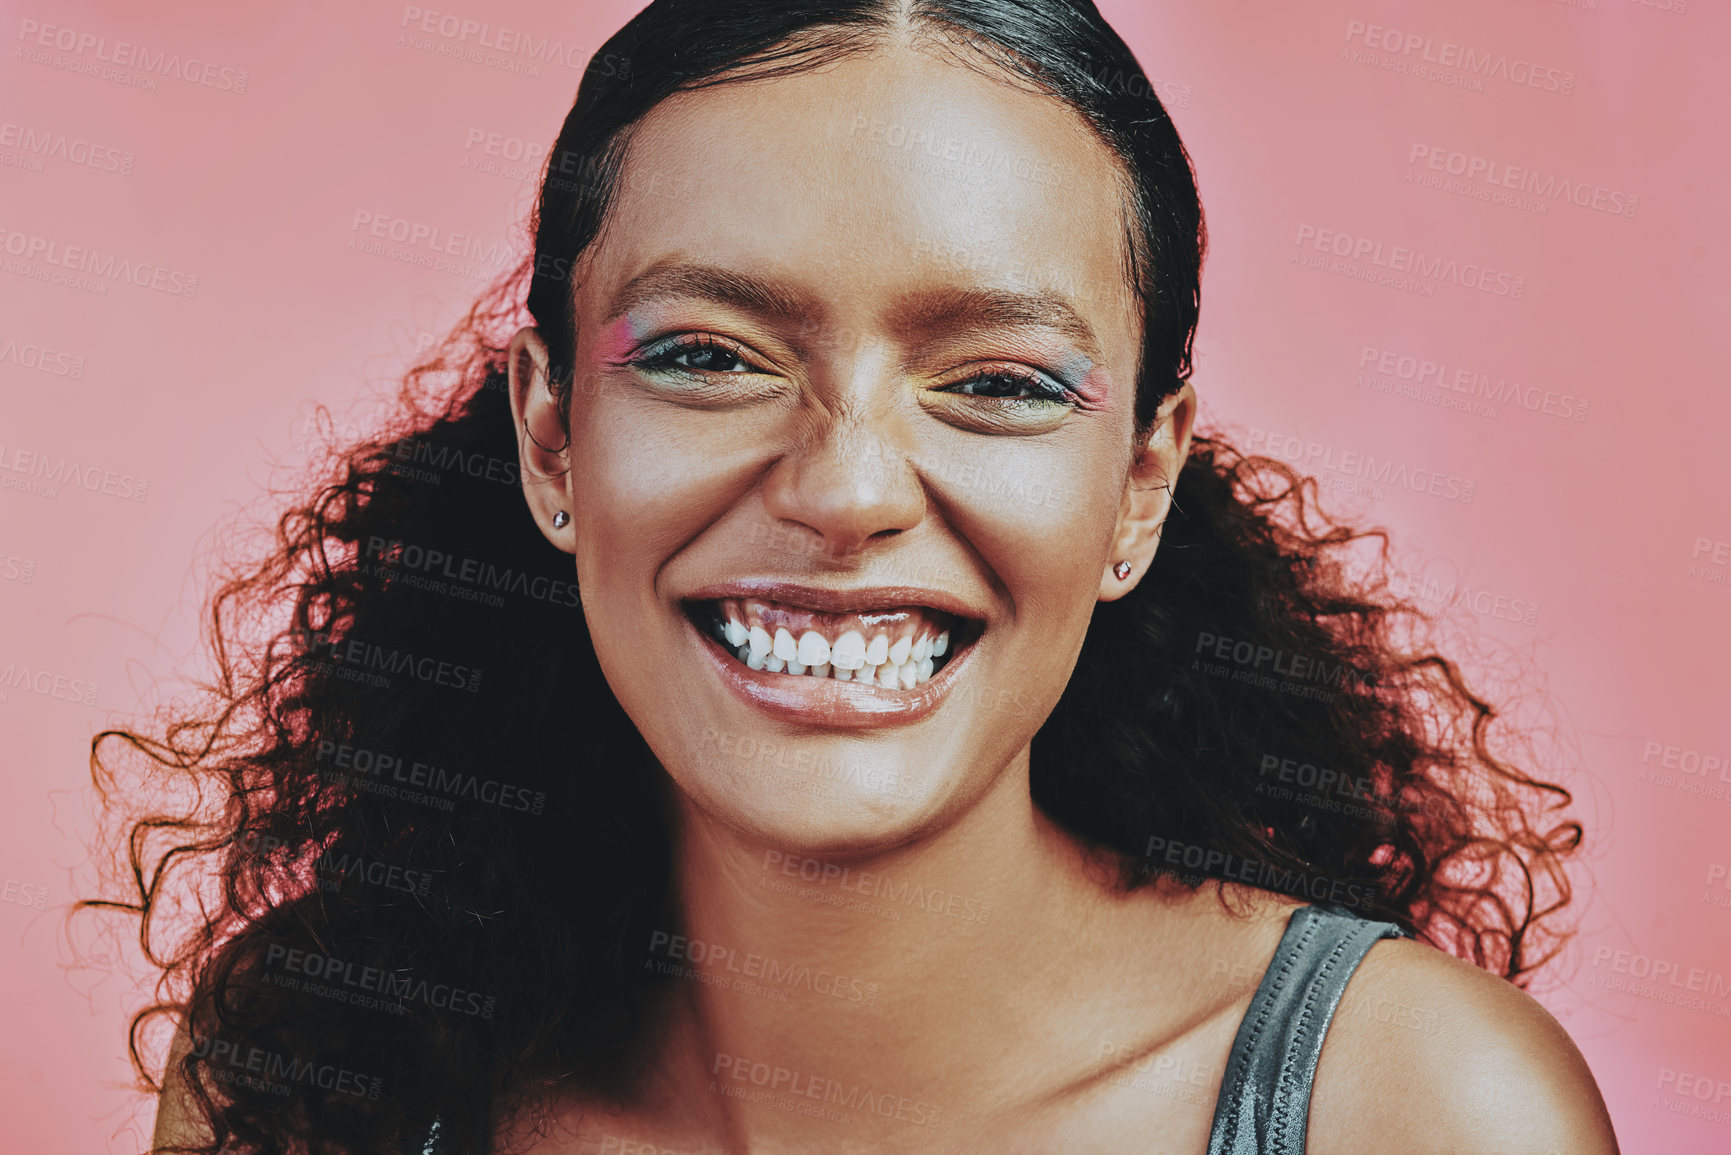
946	309
674	278
954	309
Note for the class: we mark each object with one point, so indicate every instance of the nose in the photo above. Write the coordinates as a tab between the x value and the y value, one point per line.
847	482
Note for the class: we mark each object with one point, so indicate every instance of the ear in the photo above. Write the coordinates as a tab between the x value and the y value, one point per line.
1148	492
543	442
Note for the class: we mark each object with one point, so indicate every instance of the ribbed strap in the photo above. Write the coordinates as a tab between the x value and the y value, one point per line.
1264	1099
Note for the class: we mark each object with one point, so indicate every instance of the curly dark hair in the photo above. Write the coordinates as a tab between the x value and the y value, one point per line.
370	779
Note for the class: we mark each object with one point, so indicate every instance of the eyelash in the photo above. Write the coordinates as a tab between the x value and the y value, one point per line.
662	357
1042	389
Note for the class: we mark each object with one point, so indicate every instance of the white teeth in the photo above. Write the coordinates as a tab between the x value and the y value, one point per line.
902	664
813	649
849	651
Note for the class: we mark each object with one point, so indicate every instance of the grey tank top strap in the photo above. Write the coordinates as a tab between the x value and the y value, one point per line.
1264	1101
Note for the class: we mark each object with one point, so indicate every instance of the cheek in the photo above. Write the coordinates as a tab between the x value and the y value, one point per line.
643	485
1040	513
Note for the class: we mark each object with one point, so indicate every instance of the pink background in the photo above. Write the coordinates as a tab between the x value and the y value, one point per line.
1587	546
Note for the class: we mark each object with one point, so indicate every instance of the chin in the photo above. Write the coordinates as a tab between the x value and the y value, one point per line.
816	796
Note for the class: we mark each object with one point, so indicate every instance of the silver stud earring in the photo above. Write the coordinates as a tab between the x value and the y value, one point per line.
1122	569
561	520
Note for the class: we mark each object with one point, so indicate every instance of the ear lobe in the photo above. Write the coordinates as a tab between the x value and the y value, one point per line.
1148	491
543	442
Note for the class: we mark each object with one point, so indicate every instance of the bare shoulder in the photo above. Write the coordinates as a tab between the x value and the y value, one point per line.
1429	1053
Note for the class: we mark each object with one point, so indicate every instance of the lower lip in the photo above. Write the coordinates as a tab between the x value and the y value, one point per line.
825	701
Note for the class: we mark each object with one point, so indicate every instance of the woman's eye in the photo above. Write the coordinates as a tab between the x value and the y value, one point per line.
1011	386
698	355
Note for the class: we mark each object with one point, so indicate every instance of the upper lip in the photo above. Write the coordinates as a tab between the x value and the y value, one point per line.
837	601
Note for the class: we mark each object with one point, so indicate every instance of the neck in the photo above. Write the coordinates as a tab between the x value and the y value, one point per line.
902	972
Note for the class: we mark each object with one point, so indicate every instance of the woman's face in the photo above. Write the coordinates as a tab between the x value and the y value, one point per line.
852	446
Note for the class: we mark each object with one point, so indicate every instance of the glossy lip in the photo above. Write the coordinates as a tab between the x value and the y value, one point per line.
825	702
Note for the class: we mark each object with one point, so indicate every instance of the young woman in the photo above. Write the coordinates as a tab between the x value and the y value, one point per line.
809	686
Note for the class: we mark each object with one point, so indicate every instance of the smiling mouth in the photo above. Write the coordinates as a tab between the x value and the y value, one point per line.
894	648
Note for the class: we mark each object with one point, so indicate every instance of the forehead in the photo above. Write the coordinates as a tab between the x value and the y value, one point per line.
884	173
